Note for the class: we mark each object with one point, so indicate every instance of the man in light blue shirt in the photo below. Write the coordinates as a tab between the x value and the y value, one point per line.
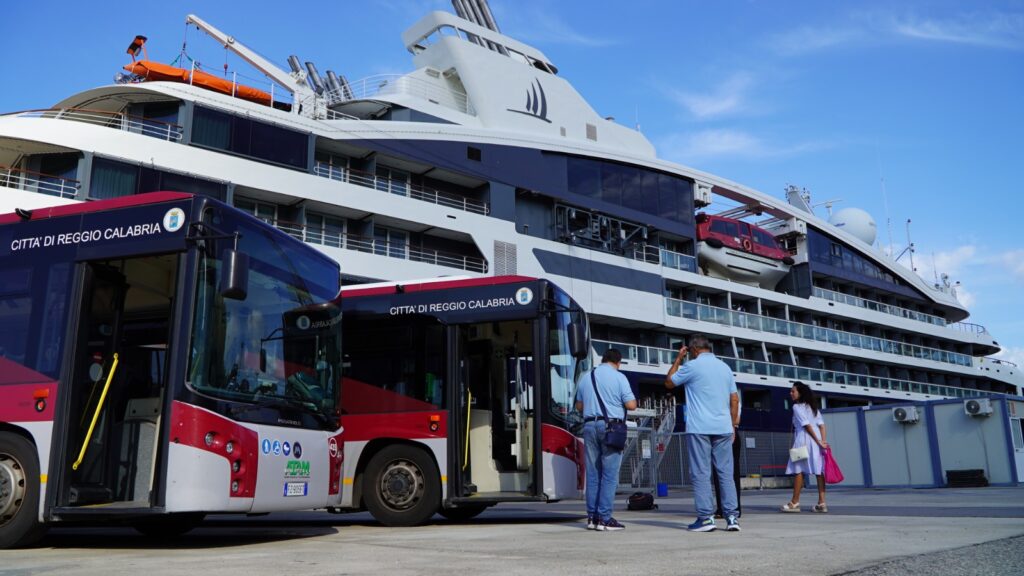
602	461
712	415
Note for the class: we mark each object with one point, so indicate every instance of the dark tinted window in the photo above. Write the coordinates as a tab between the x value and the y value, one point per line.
249	138
763	238
725	227
584	177
611	183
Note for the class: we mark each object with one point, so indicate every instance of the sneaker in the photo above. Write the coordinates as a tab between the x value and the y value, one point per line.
610	524
732	524
702	525
591	522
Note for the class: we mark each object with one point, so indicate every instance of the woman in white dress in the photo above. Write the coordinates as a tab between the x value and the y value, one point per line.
808	431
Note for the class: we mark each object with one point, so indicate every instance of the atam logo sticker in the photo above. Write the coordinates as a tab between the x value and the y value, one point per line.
296	469
174	219
524	296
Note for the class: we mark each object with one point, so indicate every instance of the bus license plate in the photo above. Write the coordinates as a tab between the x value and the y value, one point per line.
296	488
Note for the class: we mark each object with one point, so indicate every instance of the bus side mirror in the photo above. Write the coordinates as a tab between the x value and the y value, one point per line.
234	275
577	341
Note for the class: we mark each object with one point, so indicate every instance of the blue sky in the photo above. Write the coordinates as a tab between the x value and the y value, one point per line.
833	97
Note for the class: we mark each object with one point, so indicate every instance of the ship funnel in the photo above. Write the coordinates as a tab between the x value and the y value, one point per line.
293	62
333	82
314	78
485	10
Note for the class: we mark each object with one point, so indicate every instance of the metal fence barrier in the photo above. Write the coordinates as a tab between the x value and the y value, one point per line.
650	458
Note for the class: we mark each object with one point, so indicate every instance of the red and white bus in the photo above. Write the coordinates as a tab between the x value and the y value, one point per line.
158	362
457	395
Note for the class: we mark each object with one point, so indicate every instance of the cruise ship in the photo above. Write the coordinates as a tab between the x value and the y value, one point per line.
483	160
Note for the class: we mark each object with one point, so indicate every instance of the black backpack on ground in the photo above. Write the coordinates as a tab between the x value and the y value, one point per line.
641	501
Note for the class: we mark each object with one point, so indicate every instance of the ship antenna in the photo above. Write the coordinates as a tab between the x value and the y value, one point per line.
885	198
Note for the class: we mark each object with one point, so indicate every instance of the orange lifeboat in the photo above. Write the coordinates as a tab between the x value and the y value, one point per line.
155	71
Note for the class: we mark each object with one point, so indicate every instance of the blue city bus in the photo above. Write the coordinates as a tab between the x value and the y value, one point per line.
156	365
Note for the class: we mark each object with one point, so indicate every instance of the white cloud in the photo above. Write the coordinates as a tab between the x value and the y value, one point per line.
1014	262
988	30
719	143
808	39
729	97
538	24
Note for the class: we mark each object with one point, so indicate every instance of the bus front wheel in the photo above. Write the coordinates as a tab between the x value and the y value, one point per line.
402	486
19	492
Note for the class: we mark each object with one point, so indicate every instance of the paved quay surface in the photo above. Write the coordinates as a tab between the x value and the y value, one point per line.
867	533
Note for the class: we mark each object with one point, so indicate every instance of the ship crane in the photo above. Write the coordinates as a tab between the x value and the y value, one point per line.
294	83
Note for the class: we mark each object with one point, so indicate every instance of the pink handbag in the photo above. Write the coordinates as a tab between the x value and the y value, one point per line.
833	475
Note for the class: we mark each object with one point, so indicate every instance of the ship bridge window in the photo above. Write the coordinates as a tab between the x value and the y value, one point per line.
646	191
245	137
112	179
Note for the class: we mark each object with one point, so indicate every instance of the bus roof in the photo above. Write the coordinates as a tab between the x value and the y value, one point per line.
380	288
95	206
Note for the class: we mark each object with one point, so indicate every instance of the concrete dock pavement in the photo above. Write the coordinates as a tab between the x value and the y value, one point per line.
867	532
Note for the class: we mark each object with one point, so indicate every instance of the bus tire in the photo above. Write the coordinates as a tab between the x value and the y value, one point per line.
19	492
462	513
402	486
169	526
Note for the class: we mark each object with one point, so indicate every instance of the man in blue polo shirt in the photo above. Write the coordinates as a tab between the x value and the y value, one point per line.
603	462
712	415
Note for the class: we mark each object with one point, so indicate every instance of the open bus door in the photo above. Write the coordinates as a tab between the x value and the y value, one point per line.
109	435
495	427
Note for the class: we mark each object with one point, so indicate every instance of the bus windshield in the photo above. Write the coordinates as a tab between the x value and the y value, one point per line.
565	370
277	347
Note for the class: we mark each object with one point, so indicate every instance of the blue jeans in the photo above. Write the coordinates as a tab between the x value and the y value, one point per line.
705	450
602	471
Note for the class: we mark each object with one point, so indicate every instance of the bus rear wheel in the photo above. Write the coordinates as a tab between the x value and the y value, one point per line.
19	492
402	486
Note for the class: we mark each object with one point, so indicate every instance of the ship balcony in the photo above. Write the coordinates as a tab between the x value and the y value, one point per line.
661	359
38	182
117	120
400	250
357	98
666	258
400	187
879	307
705	313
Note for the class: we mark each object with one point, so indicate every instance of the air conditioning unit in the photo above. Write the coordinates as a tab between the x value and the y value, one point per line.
905	414
978	407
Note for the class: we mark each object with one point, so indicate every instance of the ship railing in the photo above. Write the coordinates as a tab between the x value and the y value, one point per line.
703	312
667	258
400	187
399	84
999	361
391	249
878	306
38	182
968	327
789	372
121	121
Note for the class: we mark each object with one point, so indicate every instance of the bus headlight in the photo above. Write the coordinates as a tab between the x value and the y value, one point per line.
229	447
234	486
209	438
236	466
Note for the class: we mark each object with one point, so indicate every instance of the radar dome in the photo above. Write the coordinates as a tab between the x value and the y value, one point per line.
857	222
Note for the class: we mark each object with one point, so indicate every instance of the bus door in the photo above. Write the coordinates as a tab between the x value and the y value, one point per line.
498	397
112	421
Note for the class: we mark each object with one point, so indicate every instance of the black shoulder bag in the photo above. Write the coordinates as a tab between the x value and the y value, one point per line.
615	432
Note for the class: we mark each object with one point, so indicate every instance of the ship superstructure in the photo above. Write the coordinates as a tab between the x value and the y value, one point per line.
484	161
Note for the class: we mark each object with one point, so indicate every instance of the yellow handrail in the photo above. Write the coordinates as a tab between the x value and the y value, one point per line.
469	406
96	416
